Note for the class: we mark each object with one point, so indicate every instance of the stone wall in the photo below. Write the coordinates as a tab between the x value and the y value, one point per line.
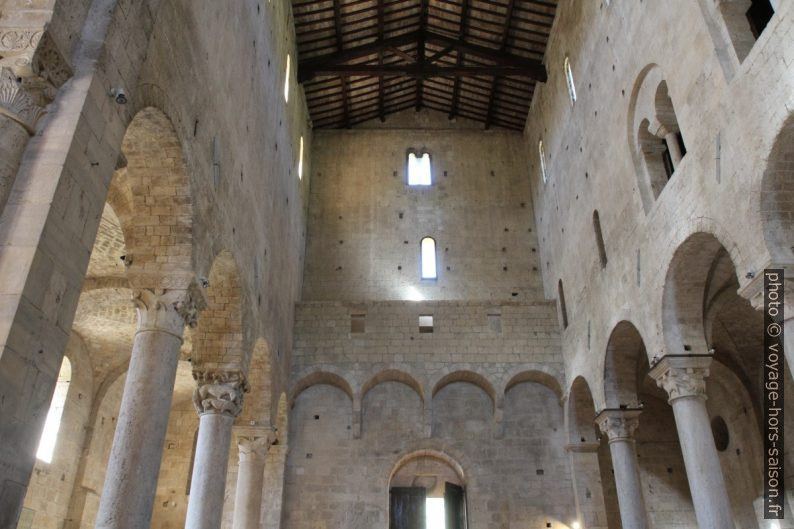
732	110
366	223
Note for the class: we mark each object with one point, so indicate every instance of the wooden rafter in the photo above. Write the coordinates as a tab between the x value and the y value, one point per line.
479	60
462	31
505	63
503	45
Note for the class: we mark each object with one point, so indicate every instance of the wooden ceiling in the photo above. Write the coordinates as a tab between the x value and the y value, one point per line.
366	59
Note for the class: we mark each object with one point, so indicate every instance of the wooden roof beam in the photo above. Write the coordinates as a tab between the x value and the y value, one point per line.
426	71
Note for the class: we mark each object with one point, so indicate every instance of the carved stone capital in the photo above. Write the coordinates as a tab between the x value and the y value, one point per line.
49	64
219	391
167	310
619	425
253	442
682	375
17	103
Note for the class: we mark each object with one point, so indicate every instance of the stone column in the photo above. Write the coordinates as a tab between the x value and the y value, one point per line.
683	378
218	400
587	485
18	116
619	425
674	148
134	464
252	445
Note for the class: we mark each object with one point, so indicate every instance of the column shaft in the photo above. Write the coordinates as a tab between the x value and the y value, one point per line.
134	465
675	149
205	506
703	470
218	400
629	487
683	378
252	443
619	426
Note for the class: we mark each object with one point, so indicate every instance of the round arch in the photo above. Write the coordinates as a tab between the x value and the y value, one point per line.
466	376
625	356
321	377
580	413
153	179
393	375
777	196
698	265
219	334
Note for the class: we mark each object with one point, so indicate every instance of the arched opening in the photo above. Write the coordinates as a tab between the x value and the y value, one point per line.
258	401
219	334
427	491
599	237
593	479
49	437
655	138
777	196
703	313
625	367
428	258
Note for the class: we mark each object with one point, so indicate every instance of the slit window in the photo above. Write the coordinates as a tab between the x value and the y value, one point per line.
428	257
561	299
602	252
542	157
53	422
569	80
300	160
425	323
286	79
419	173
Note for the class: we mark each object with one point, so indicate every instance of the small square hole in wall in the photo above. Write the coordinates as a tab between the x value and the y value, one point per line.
425	323
357	323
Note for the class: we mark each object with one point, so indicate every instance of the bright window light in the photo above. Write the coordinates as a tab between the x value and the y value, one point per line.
436	518
53	422
542	157
419	170
569	80
300	160
286	81
429	258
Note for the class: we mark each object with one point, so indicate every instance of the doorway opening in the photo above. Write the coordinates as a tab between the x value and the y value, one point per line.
427	491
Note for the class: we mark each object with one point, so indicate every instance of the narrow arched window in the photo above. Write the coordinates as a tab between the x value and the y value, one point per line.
569	80
428	251
300	160
286	80
419	173
52	424
542	157
602	252
561	299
